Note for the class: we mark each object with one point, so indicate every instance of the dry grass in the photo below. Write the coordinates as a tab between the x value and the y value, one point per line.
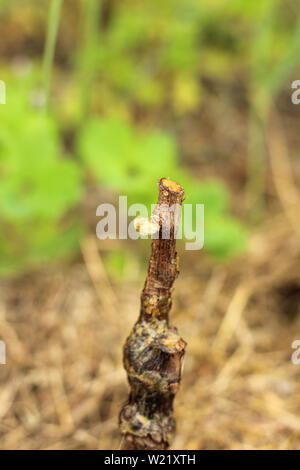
64	383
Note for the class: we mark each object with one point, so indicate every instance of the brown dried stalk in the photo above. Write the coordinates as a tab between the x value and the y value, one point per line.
153	352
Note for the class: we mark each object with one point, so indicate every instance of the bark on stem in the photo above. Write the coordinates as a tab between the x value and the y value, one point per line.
153	351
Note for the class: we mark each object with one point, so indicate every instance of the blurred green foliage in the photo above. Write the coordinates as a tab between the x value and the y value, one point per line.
128	55
39	185
130	162
156	52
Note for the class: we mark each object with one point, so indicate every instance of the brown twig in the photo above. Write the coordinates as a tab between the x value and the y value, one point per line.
153	352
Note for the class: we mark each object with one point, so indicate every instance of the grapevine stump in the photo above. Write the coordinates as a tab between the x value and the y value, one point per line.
153	351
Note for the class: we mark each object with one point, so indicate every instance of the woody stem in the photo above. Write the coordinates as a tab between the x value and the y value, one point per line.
153	351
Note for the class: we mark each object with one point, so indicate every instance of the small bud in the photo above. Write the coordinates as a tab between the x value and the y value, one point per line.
145	226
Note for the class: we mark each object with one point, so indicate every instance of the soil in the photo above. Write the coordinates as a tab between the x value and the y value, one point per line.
64	383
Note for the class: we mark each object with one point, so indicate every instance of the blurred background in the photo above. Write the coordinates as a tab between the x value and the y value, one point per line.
103	97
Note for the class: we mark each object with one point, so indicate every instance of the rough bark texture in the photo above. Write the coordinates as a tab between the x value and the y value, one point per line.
153	352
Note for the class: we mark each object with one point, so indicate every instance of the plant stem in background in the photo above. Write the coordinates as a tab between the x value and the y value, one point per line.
269	74
153	352
256	164
54	17
91	11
